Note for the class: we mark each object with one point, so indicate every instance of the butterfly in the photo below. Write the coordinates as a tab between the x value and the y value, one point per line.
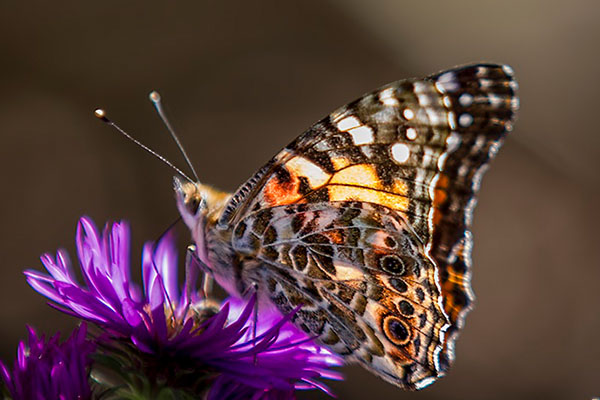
364	220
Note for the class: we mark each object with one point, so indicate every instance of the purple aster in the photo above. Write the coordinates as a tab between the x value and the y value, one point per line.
278	361
51	370
163	321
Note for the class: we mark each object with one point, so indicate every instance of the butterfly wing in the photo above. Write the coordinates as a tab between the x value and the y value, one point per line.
415	147
366	286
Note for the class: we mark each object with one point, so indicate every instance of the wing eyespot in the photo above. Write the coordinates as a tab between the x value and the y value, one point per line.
392	264
396	330
398	285
390	242
406	308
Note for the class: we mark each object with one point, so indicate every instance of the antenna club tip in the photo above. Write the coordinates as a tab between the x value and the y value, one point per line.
100	114
154	96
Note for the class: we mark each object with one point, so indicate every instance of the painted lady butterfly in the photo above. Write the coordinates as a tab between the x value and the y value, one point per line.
364	220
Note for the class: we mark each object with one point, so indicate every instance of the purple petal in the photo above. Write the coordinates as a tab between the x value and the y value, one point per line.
49	369
165	258
132	313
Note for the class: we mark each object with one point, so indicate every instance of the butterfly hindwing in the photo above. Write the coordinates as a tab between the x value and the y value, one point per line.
416	148
362	277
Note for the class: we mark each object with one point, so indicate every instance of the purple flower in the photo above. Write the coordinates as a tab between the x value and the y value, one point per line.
278	361
51	370
162	321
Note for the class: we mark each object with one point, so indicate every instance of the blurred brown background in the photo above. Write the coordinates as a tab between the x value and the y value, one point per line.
242	78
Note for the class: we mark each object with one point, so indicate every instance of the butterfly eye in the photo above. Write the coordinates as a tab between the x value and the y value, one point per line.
193	204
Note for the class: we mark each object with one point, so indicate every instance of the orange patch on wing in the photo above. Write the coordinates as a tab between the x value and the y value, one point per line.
343	193
358	175
440	195
401	188
440	192
450	307
455	278
278	192
335	236
339	162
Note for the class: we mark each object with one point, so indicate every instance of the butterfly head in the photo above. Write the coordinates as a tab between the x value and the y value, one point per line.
198	204
191	201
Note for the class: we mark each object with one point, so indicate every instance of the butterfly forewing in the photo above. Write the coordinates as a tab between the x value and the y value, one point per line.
318	214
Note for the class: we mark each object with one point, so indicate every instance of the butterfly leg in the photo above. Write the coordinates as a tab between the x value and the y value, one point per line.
193	264
255	323
255	319
253	289
207	284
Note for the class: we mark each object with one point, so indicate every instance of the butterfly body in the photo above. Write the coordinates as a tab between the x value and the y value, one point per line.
364	220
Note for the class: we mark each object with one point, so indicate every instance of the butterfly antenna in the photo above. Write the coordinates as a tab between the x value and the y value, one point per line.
101	114
156	100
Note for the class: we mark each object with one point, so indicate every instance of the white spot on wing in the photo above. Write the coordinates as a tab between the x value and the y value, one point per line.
514	103
486	83
447	102
387	97
429	156
465	120
367	151
345	272
495	100
441	163
452	120
479	143
400	152
362	135
304	167
423	94
452	142
447	82
348	123
408	114
508	70
411	133
323	145
465	99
